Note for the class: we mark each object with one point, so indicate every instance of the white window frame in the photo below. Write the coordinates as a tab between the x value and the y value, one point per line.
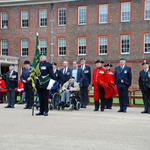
79	42
22	18
147	2
43	44
145	42
26	47
2	47
64	44
125	53
99	43
2	20
44	18
64	9
125	7
101	12
82	7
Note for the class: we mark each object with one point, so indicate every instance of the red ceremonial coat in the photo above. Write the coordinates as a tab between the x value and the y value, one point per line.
2	86
111	89
98	78
20	86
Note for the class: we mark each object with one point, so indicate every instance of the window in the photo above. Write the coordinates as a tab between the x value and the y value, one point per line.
103	13
125	11
82	15
147	10
82	45
43	46
24	19
4	47
147	43
125	44
103	47
24	47
61	46
4	20
43	18
62	16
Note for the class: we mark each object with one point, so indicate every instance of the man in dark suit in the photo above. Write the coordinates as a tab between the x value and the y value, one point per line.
25	78
85	82
11	84
77	73
144	84
123	80
65	73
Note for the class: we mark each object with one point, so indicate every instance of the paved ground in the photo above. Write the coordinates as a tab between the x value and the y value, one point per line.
76	130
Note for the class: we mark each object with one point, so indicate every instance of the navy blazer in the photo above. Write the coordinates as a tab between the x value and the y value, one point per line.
144	81
86	76
65	77
79	75
11	83
123	78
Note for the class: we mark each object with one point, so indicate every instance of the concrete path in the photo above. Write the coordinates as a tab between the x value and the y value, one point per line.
76	130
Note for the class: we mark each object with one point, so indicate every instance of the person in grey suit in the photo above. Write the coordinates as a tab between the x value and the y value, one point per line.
77	73
11	84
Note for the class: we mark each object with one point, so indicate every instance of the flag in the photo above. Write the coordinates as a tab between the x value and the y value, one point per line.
35	64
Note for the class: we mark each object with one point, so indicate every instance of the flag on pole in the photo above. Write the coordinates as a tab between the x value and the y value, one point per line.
35	64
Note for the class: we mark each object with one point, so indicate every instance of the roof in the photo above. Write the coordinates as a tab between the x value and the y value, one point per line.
29	2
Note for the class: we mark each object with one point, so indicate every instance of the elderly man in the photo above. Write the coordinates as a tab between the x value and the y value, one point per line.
123	80
144	84
68	87
11	84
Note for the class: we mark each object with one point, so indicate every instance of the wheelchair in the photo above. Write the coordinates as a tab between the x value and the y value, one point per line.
75	103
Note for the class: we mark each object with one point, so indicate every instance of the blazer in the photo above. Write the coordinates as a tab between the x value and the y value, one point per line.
11	83
123	78
86	76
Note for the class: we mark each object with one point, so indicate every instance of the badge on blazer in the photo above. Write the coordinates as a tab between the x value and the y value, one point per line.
68	73
43	68
102	72
125	71
86	71
111	73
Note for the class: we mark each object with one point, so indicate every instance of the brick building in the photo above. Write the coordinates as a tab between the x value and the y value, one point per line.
71	29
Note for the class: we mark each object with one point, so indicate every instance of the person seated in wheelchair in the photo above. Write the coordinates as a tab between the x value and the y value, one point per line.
68	88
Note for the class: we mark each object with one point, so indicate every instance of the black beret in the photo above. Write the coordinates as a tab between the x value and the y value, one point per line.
145	62
99	61
11	65
43	53
108	64
26	62
53	63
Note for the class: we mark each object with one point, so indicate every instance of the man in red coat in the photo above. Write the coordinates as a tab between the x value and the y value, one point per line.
2	88
99	85
110	89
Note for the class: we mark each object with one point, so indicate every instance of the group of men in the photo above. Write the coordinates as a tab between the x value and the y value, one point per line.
107	83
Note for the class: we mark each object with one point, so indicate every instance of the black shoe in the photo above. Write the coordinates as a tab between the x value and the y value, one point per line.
102	109
8	106
124	111
39	114
95	109
46	114
26	107
120	110
143	112
29	107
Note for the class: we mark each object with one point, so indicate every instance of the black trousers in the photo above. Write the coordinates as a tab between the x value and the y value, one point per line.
84	96
146	99
43	98
11	97
123	98
109	102
29	95
102	98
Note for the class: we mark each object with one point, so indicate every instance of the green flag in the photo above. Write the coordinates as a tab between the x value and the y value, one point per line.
35	64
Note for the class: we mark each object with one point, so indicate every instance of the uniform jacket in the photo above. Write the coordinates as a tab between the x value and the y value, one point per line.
2	86
144	81
86	76
46	72
98	78
111	89
11	83
123	78
75	86
65	76
79	75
